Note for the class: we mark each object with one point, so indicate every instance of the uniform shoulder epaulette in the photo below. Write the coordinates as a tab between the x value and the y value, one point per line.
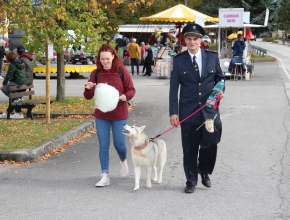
211	51
180	53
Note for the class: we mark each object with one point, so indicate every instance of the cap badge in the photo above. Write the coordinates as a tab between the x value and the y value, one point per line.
194	27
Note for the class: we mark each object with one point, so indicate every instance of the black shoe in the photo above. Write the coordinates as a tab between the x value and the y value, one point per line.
205	180
189	189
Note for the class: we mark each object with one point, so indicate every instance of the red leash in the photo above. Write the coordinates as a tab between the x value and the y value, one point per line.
215	105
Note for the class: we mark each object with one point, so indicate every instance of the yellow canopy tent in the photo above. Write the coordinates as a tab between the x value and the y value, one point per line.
178	14
234	35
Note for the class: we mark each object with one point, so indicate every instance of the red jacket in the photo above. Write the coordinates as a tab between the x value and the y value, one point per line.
124	86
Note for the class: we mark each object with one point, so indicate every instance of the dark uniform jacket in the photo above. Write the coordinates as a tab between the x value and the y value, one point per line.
194	90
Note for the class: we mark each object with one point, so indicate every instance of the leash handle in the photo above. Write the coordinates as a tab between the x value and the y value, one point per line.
217	98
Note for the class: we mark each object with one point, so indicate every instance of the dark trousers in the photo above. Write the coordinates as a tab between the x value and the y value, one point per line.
199	150
133	62
148	69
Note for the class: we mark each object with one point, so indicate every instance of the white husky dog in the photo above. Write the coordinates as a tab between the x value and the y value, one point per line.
146	153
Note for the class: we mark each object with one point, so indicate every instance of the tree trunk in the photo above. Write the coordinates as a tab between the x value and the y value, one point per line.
60	89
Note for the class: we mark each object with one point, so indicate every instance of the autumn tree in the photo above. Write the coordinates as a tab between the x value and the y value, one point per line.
283	21
52	19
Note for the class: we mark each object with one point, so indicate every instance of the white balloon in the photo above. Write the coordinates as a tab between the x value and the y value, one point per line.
106	97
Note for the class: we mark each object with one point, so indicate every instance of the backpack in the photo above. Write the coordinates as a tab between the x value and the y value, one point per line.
120	73
125	41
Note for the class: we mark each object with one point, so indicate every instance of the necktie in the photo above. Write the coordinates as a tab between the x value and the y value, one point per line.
195	66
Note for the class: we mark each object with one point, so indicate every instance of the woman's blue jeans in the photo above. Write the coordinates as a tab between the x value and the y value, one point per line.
119	139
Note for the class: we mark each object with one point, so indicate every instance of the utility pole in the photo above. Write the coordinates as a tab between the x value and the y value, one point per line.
185	2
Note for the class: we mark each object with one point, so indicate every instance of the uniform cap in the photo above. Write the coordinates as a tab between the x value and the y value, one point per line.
193	29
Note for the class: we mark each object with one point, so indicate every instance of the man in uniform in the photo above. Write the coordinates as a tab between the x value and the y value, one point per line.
196	72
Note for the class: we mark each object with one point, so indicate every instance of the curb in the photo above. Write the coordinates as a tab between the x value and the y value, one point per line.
34	154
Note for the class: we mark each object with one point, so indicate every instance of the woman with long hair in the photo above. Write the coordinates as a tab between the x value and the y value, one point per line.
111	71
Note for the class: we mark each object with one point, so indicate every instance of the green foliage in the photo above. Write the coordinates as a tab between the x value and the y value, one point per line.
283	21
52	19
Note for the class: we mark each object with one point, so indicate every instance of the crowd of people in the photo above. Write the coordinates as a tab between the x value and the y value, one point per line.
145	54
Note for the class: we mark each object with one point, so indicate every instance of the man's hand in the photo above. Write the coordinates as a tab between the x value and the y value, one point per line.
1	86
221	94
174	121
90	85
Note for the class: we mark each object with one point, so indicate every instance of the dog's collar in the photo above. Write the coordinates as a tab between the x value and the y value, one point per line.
142	146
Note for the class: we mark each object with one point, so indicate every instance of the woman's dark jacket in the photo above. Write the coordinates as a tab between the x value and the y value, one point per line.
149	57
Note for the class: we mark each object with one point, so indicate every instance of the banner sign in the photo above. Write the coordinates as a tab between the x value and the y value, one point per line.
231	17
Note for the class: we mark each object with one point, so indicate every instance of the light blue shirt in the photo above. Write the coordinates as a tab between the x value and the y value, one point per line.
198	59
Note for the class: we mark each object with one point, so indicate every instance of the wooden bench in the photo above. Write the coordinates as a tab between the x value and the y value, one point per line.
16	92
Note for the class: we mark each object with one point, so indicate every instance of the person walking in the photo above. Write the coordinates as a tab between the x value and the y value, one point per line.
2	53
148	60
195	72
111	71
134	51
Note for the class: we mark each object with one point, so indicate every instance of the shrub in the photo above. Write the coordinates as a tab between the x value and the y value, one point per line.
268	39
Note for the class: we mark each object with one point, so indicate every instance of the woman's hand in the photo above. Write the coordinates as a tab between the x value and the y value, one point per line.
90	85
123	98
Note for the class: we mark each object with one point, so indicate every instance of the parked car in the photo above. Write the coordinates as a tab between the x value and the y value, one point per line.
253	38
266	35
207	38
83	57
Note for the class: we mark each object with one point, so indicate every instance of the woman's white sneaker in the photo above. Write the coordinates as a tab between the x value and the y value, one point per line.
17	115
105	180
124	168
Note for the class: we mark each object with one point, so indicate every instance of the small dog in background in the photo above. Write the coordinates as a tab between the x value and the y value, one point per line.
151	154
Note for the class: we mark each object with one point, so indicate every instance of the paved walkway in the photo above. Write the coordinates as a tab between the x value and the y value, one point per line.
250	181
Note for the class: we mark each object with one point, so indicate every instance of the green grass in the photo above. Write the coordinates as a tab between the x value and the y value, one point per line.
27	133
257	58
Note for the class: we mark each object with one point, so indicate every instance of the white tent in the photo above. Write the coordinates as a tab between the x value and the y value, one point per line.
145	28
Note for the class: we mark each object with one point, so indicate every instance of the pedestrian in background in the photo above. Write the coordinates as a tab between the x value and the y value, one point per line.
120	44
143	48
134	51
111	71
126	42
2	53
148	60
195	73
